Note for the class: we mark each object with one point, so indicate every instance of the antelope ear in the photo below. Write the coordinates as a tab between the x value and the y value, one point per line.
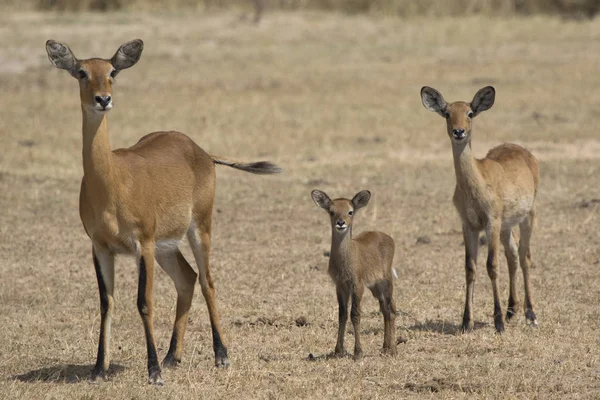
433	100
321	199
127	55
483	100
61	56
361	199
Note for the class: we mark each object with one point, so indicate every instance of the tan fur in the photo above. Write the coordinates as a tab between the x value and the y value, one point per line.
494	194
143	201
356	263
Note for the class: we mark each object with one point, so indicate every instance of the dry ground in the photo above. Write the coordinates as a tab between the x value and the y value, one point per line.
335	101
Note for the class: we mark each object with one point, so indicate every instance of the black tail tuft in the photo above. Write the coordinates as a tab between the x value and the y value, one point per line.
258	167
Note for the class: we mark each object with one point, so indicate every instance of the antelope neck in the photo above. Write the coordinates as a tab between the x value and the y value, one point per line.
341	247
465	165
97	155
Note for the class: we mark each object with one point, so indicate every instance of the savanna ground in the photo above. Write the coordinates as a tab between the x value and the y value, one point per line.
335	101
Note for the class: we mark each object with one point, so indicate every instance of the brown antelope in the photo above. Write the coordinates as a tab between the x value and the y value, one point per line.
142	201
493	194
356	263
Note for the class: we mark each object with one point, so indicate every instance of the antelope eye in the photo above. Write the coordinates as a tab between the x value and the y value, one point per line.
447	115
470	114
350	212
82	74
331	213
113	73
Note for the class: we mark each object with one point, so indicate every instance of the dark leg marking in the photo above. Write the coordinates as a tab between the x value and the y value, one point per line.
98	371
342	297
493	274
170	360
355	318
470	278
498	323
219	348
153	367
530	316
510	312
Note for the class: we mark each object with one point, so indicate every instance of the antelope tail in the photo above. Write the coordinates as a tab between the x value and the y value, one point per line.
258	167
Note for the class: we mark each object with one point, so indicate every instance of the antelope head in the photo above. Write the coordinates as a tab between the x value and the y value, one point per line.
459	114
341	211
95	75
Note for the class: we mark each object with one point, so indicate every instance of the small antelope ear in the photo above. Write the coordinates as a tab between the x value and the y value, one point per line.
127	55
433	100
321	199
361	199
61	56
483	100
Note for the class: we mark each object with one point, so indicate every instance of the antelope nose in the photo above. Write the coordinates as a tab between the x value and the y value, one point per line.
103	100
340	222
458	132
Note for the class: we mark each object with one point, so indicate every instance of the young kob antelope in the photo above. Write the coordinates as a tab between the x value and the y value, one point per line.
356	263
494	194
142	201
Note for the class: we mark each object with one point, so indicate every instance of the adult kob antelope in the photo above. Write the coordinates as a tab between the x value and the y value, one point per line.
493	194
142	201
356	263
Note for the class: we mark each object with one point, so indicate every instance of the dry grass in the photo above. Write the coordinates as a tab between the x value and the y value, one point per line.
335	101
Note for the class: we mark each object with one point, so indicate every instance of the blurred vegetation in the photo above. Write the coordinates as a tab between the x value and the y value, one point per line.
573	8
80	5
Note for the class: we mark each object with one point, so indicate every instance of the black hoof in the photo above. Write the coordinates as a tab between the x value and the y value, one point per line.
465	327
531	320
466	323
155	379
389	351
170	362
221	359
499	326
498	322
510	313
98	375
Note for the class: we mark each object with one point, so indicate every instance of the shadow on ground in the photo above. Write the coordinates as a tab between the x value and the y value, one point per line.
69	373
328	356
436	385
443	327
